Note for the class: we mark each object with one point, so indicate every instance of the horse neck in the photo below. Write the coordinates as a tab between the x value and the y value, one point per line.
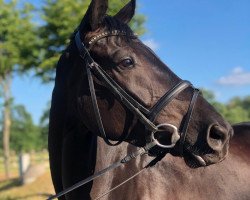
107	155
170	178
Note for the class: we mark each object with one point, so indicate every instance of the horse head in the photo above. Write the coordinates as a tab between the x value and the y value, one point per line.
138	98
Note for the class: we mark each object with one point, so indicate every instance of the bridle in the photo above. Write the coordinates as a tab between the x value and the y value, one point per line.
144	115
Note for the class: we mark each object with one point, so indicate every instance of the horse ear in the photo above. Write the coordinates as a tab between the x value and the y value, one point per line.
95	14
127	12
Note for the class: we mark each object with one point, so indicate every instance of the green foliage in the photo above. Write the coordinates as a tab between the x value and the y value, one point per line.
208	95
61	17
44	125
25	136
236	114
17	37
236	110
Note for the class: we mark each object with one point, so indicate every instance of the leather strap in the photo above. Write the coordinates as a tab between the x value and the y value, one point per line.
149	164
134	106
97	111
147	117
187	119
167	98
126	99
120	94
85	54
126	159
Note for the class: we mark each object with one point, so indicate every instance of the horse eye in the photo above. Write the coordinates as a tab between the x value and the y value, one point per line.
127	62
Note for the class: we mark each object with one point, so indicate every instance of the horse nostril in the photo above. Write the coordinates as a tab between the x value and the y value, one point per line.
216	137
215	133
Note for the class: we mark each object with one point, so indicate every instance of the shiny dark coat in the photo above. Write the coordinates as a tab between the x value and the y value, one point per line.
76	152
172	179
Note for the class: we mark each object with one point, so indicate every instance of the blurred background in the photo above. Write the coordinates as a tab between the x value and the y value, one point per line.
205	42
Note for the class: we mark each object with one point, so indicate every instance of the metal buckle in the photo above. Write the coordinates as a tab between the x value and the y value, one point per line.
174	138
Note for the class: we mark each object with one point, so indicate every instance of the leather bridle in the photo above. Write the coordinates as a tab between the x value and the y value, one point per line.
146	116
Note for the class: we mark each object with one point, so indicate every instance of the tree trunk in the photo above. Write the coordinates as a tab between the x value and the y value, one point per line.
6	84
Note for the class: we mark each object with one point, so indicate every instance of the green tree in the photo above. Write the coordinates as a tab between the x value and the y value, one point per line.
208	95
242	102
25	136
236	110
61	17
44	125
17	42
236	114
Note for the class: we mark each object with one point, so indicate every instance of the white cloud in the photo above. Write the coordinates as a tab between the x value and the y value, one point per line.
237	70
151	43
237	77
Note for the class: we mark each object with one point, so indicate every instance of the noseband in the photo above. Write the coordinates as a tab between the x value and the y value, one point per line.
146	116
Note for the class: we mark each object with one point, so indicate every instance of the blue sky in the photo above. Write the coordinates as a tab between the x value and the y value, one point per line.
204	41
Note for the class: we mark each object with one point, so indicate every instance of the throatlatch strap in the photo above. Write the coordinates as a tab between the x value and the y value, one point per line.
97	111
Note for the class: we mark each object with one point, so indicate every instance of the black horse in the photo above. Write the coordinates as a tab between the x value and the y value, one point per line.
109	84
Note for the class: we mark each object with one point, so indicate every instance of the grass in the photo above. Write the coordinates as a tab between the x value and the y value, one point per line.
35	158
13	168
38	190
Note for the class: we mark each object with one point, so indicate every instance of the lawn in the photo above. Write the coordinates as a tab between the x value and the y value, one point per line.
38	190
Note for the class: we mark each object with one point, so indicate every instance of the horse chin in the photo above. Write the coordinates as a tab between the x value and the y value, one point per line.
194	161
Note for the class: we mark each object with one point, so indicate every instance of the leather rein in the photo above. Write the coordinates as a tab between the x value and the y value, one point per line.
144	115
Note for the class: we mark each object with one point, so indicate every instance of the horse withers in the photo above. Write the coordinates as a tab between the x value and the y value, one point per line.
109	84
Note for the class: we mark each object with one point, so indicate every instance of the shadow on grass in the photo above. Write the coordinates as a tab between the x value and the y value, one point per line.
5	185
45	195
9	184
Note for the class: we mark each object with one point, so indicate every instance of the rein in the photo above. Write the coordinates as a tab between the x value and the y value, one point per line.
126	159
144	115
